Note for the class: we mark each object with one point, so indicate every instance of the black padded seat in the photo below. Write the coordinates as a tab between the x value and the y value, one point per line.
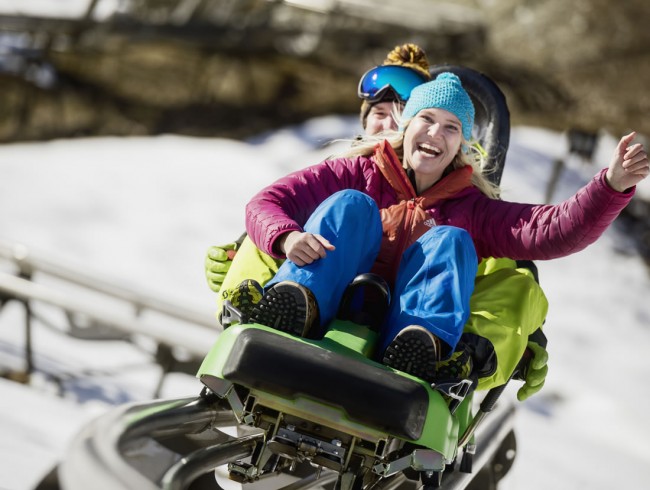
370	395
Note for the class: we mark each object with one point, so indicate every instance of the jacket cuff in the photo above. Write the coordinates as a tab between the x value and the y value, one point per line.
601	176
273	239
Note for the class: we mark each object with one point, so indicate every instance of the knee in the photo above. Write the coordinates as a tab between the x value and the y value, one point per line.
354	198
450	235
353	202
349	209
455	244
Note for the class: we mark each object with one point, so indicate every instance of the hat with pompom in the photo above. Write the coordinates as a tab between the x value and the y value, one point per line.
445	92
409	55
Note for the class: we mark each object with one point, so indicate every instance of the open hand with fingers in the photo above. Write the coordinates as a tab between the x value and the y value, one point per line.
629	165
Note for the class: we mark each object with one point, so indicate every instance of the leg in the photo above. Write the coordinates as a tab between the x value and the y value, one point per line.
350	220
433	286
506	307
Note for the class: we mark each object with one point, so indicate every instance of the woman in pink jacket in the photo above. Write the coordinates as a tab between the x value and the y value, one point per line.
417	209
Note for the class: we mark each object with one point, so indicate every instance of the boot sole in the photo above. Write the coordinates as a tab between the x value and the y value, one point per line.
413	352
284	307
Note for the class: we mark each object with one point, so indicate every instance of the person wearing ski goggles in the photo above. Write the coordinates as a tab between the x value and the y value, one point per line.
382	88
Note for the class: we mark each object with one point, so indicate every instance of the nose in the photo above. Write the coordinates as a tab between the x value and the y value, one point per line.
433	129
389	124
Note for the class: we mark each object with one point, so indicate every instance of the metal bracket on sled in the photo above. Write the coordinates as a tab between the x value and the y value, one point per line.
231	315
291	443
456	391
226	389
419	460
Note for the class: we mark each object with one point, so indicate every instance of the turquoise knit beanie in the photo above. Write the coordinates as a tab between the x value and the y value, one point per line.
445	92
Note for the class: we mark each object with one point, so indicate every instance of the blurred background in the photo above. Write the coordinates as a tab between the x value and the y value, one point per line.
223	67
121	115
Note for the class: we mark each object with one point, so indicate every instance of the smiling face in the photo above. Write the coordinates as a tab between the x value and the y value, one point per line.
380	118
431	141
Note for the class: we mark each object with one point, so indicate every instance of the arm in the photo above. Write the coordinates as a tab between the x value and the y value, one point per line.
286	205
542	232
545	232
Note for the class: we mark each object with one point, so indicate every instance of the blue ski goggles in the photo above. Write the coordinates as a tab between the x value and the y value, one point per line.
377	81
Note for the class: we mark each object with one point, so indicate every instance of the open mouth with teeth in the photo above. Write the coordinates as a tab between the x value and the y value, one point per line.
430	150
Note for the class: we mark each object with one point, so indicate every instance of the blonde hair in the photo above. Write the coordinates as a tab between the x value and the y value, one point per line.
473	157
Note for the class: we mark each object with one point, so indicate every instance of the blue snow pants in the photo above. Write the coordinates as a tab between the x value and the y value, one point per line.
434	282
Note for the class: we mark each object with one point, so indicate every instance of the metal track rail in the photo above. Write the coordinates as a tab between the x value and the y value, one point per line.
108	453
98	456
195	339
30	262
101	310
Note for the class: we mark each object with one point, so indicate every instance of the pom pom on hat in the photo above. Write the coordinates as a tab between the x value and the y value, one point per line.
445	92
411	56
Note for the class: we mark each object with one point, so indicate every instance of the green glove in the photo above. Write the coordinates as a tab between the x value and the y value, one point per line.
534	374
217	264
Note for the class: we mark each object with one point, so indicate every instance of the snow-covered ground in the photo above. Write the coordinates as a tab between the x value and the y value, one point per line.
142	212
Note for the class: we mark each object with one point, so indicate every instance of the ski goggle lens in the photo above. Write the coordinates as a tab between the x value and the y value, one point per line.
400	79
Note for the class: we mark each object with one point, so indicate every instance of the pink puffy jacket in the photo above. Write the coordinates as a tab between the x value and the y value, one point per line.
498	228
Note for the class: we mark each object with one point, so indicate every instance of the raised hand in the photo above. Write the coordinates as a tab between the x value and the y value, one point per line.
629	165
